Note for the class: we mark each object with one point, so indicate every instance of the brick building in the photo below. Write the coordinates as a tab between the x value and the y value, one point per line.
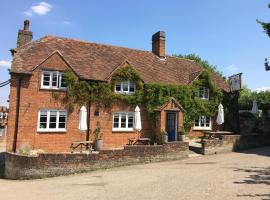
37	119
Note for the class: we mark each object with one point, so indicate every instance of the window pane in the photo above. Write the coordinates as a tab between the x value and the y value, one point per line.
197	122
53	116
130	121
132	87
43	120
54	79
62	119
116	121
203	120
46	78
206	93
125	86
118	87
63	82
207	121
123	120
201	92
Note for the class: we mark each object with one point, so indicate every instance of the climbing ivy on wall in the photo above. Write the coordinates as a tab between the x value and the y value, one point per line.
157	94
151	96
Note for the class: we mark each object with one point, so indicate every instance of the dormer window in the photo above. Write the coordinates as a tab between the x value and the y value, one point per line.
203	93
125	87
53	80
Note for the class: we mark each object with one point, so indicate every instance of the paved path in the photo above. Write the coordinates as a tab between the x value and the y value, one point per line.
225	176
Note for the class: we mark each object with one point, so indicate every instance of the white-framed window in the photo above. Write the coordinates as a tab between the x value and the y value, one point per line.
123	121
202	123
125	87
53	80
203	92
52	120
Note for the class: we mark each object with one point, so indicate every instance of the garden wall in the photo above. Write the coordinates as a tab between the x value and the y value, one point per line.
229	143
47	165
249	123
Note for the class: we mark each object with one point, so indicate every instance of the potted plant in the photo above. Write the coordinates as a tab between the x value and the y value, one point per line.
98	137
181	135
164	137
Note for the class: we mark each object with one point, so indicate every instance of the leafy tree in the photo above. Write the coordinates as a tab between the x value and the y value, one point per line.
204	63
266	28
265	25
245	99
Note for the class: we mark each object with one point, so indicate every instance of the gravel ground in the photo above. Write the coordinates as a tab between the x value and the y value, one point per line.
226	176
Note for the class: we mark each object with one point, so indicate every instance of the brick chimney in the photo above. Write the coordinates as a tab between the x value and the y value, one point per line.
158	44
24	35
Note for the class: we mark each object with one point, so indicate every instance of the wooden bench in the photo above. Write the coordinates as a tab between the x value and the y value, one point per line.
87	144
139	141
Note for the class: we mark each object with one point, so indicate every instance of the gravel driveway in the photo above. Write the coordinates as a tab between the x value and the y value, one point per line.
225	176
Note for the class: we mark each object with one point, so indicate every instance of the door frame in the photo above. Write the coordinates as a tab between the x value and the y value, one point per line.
176	123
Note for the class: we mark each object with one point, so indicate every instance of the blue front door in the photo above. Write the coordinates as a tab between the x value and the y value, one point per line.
171	126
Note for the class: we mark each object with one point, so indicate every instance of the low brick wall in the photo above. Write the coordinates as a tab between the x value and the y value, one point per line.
229	143
47	165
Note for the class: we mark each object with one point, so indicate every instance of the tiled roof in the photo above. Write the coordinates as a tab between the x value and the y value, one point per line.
97	61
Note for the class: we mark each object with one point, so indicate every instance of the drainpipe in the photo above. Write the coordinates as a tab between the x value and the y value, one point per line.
17	114
88	120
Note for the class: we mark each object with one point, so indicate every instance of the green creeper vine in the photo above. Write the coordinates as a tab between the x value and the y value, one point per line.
151	96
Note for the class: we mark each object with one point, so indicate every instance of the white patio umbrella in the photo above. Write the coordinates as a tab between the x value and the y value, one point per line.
138	123
254	109
220	117
83	119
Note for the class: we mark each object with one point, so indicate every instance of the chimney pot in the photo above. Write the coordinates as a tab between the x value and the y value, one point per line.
24	35
158	44
26	25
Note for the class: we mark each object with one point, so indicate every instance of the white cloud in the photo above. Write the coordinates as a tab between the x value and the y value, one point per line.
40	9
5	63
263	89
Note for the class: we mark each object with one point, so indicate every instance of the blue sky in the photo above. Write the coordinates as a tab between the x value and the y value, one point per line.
223	32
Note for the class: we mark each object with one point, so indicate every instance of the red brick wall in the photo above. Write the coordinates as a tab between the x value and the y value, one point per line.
52	164
33	99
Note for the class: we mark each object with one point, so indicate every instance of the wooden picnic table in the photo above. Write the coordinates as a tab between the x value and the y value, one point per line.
81	144
139	141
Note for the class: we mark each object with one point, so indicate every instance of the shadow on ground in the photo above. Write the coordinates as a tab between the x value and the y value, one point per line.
265	151
256	175
2	164
197	150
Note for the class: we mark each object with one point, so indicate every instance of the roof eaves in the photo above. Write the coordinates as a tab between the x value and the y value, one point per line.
61	56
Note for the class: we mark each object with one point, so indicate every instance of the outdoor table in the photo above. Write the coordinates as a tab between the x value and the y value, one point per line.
143	141
131	141
75	145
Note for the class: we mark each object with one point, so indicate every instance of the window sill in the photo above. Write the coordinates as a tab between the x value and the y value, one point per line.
123	130
202	128
54	89
52	131
125	93
204	99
